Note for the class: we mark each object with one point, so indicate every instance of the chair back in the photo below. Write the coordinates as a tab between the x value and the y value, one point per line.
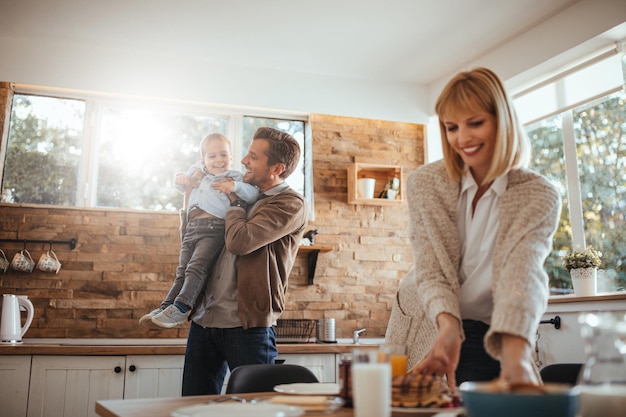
563	373
264	377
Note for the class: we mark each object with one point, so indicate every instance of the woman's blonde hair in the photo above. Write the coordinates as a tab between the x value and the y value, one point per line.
481	89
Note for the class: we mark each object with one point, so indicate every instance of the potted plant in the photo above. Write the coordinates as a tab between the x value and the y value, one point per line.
583	268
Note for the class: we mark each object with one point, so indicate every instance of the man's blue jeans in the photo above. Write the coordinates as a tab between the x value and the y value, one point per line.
209	351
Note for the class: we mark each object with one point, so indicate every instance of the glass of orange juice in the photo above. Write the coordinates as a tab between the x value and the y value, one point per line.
398	358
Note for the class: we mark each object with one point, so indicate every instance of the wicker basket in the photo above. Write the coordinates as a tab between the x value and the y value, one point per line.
294	330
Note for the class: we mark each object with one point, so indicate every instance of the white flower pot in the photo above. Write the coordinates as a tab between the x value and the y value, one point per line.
584	281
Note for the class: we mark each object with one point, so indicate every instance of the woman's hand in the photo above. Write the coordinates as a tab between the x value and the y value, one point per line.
516	364
443	358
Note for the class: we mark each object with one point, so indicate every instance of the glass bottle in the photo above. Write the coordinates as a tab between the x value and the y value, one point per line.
602	382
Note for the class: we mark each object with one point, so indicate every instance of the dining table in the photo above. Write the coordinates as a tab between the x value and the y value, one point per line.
164	407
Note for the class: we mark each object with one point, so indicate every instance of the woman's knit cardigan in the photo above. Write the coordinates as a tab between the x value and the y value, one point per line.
529	212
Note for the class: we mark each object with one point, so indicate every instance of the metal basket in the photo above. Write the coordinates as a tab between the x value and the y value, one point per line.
294	330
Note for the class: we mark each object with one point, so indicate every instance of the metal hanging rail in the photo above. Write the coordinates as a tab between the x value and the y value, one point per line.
71	242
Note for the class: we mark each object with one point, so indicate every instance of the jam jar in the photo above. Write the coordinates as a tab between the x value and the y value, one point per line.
345	378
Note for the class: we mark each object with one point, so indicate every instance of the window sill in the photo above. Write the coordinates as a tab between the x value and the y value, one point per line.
571	298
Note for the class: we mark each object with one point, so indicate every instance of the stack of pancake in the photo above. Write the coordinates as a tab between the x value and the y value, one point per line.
420	390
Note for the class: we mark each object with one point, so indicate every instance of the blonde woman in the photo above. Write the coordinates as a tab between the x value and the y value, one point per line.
481	228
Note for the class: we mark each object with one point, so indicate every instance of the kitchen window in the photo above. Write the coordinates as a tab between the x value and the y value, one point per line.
96	151
577	124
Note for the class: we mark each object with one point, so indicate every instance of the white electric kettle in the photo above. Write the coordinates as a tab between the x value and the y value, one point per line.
11	329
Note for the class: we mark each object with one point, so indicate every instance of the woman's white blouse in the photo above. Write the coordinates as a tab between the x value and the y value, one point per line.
477	234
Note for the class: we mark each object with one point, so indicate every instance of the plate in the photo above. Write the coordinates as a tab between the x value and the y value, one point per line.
423	412
315	404
238	410
311	388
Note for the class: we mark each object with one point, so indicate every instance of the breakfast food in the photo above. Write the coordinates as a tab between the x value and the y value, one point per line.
420	390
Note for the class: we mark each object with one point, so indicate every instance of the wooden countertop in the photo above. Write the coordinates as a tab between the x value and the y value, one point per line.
91	349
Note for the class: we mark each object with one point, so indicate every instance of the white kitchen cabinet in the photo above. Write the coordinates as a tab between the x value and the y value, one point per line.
69	386
565	344
153	376
14	379
321	364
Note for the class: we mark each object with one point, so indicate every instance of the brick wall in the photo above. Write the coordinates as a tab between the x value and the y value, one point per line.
125	260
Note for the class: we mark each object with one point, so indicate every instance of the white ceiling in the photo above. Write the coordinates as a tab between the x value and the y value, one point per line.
378	59
408	41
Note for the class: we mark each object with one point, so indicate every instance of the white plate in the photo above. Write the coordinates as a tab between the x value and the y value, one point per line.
312	388
423	412
238	410
327	406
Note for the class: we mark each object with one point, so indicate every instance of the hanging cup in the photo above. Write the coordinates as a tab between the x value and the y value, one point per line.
22	261
48	262
4	262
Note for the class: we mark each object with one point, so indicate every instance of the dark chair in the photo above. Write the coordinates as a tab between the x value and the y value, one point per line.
264	377
563	373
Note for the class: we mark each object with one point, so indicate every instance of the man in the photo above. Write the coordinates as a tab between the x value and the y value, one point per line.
232	324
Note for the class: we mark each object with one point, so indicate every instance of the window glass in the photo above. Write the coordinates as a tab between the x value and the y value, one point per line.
44	150
600	130
548	158
294	127
140	151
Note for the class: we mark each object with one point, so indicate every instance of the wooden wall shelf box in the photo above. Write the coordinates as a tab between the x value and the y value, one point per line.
383	174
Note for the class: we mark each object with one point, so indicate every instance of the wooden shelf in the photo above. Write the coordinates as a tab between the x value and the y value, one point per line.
311	248
382	174
312	252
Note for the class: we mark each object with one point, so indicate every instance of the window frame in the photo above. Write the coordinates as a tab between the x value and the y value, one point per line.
95	103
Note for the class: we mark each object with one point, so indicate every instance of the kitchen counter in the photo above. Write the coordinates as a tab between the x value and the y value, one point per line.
94	347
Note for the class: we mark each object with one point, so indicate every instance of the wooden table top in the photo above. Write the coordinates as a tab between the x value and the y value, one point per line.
163	407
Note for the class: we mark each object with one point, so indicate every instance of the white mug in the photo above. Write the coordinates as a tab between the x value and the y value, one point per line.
4	262
48	262
23	262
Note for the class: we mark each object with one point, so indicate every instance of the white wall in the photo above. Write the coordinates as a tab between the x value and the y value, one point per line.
82	66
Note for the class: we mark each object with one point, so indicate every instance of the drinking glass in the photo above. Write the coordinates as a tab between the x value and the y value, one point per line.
602	382
371	383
